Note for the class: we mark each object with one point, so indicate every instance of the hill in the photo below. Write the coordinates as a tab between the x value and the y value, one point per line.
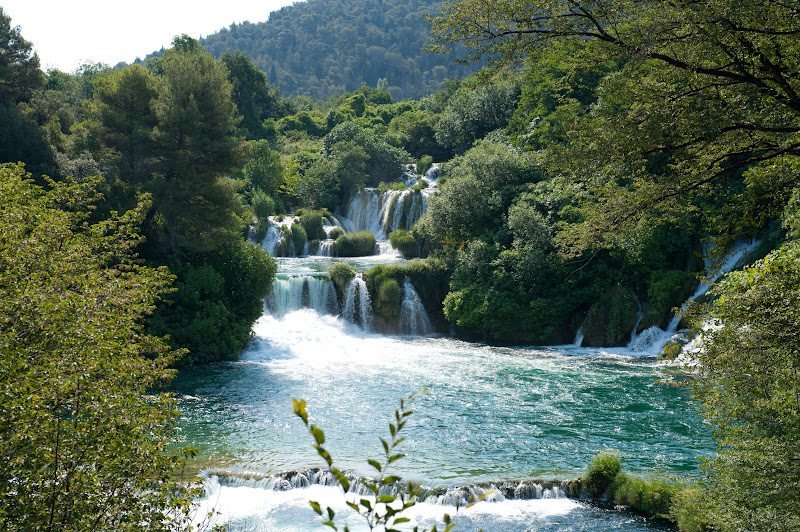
322	48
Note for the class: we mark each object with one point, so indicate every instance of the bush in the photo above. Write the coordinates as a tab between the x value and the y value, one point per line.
336	232
690	510
645	497
341	273
358	244
421	184
299	238
312	223
405	243
424	164
390	296
671	351
603	470
384	187
263	204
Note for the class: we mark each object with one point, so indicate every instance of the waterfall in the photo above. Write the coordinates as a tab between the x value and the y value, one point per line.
382	213
325	248
413	316
655	338
357	303
270	242
578	341
302	292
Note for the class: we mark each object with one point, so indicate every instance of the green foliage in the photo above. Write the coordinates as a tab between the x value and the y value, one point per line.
390	296
611	319
474	112
415	132
645	497
424	164
299	238
322	49
357	244
382	509
601	473
263	204
263	169
84	429
308	122
251	94
341	273
404	242
749	391
312	223
381	162
336	232
19	64
217	300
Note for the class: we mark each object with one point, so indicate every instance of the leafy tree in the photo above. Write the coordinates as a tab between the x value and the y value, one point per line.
123	106
195	206
251	94
19	64
83	435
263	169
749	389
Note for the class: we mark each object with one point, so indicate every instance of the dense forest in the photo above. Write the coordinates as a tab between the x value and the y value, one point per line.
584	174
322	48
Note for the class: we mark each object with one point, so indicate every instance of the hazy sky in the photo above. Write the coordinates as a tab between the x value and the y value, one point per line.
67	33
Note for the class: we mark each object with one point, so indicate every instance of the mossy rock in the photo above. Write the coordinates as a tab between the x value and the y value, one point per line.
610	320
358	244
336	232
341	273
388	300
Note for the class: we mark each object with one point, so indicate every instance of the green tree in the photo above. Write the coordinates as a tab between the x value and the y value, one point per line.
19	64
123	105
83	434
195	205
251	94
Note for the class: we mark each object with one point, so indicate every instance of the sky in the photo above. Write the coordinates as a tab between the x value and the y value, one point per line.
68	33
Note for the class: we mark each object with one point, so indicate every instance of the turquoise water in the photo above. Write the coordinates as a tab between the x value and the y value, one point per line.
490	414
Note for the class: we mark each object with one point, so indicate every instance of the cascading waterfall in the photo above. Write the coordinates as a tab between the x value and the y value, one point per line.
413	316
325	248
299	292
655	338
369	210
357	303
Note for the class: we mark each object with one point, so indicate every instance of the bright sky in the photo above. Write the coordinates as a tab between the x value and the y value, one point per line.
68	33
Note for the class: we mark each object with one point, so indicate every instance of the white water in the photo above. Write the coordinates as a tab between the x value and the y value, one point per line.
298	292
654	338
414	318
357	303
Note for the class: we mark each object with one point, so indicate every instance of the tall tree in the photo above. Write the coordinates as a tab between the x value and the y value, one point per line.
195	204
251	94
19	64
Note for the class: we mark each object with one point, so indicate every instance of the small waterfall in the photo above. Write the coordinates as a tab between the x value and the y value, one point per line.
270	242
654	338
357	303
295	293
413	316
460	496
325	248
578	341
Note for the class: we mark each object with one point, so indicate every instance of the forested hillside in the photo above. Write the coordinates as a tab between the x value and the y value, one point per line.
321	48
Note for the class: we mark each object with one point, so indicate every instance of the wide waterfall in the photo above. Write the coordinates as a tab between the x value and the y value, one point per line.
382	213
357	303
413	316
654	338
299	292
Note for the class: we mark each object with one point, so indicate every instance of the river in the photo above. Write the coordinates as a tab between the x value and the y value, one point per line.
490	414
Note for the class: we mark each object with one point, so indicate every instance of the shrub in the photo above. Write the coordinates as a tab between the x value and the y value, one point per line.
336	232
263	204
384	187
645	497
424	164
671	351
690	510
358	244
421	184
390	296
341	273
312	223
405	243
603	470
299	238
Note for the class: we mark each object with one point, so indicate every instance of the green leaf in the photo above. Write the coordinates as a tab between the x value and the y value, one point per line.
375	464
395	457
387	499
318	434
300	411
316	507
400	520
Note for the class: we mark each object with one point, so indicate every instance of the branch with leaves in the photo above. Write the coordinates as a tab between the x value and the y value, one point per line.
384	509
